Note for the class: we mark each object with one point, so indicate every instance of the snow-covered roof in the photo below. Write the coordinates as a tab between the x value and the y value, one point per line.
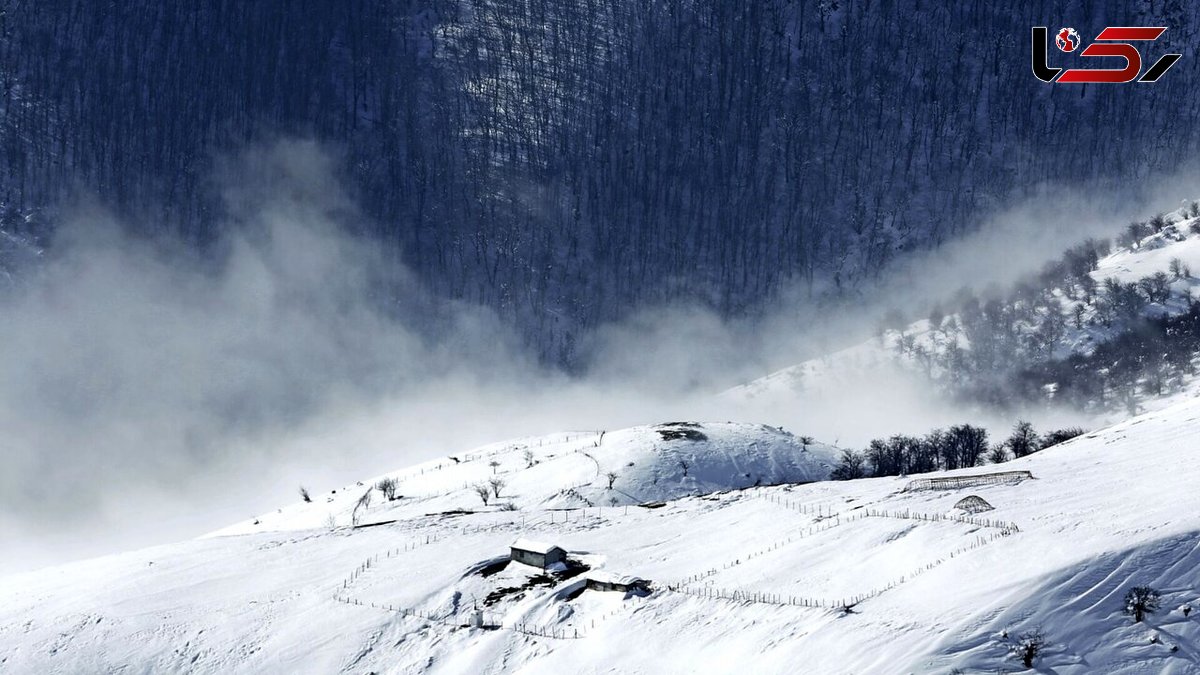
534	546
606	577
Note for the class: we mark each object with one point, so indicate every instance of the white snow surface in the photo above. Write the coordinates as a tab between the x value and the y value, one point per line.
570	470
932	593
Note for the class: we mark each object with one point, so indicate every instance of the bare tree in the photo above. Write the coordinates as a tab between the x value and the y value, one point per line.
363	503
528	454
304	495
849	468
484	492
1029	646
1179	270
1155	287
1023	440
494	464
806	441
1140	601
388	487
612	478
497	485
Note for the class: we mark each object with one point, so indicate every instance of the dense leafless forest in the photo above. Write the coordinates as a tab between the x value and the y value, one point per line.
562	162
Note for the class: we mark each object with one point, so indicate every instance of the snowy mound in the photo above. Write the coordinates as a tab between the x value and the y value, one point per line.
667	461
569	470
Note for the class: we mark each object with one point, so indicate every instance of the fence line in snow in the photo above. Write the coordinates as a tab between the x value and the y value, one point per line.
973	480
826	512
780	599
834	519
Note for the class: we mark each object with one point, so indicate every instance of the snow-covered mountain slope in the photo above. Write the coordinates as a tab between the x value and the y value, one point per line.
572	470
922	349
752	578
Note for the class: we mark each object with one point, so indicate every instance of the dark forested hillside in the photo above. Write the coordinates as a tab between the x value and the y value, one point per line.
564	160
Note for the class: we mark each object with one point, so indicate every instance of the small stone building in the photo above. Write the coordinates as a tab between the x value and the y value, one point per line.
599	580
536	553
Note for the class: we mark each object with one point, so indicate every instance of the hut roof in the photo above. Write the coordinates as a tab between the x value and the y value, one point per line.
535	546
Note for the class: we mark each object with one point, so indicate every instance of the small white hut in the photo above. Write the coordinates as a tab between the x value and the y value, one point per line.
536	553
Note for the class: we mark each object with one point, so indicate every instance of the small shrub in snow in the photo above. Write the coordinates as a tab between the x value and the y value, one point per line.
612	478
1060	436
304	495
528	454
1029	646
1140	601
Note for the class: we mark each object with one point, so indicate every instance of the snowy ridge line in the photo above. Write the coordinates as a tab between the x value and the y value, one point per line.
467	485
482	455
448	620
541	442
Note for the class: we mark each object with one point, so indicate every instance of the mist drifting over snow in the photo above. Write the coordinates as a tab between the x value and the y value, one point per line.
148	393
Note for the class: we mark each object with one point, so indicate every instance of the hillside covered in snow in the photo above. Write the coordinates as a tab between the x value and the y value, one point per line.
568	471
941	573
1110	328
